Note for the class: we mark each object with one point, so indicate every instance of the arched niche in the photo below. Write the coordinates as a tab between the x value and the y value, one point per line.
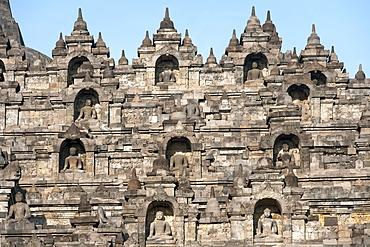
275	208
299	92
64	150
164	206
177	144
166	62
259	58
73	66
2	71
81	98
294	145
318	78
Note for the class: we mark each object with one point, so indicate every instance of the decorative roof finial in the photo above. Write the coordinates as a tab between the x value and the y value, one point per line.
100	42
166	23
123	60
187	40
360	75
268	26
211	58
80	26
147	42
314	39
60	43
234	40
253	23
333	57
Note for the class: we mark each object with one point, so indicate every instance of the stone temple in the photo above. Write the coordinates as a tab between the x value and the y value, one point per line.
260	148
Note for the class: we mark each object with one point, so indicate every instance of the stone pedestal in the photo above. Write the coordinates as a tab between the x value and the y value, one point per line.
84	221
19	225
158	243
268	241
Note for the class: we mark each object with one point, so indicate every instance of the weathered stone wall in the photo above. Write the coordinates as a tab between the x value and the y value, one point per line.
229	122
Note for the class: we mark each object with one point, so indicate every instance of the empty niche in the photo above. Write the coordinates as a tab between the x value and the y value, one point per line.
299	92
80	100
73	66
259	58
275	209
165	68
2	71
318	78
177	144
65	151
292	141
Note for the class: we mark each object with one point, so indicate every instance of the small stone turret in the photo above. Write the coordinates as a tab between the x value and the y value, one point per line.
166	34
314	51
333	56
60	44
80	26
213	206
187	40
100	42
294	61
314	39
211	58
360	75
147	42
253	23
133	183
167	23
268	26
234	40
123	60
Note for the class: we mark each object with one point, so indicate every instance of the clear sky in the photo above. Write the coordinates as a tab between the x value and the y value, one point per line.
342	23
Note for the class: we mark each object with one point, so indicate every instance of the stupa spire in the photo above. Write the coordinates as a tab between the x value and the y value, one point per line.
7	22
234	40
167	23
360	75
253	22
314	39
80	26
253	11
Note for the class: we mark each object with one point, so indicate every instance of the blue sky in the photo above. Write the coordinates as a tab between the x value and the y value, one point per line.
342	23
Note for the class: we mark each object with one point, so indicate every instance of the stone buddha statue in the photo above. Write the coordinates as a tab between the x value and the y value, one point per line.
159	228
20	210
254	73
73	161
267	226
166	76
286	156
104	221
178	161
87	112
192	110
